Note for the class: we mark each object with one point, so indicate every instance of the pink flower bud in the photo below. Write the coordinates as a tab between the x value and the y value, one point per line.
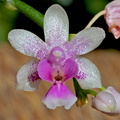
112	17
104	102
107	101
116	95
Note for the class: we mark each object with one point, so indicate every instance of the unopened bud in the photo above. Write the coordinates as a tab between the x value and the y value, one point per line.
104	102
112	17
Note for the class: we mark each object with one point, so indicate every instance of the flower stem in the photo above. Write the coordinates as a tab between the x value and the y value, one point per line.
80	91
29	11
91	22
90	92
76	86
102	88
81	94
24	8
71	36
95	18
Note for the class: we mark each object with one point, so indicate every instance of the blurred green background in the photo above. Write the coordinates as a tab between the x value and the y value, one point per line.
80	12
7	21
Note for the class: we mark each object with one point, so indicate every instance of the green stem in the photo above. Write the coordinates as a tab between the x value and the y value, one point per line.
24	8
30	12
90	92
76	85
102	88
80	91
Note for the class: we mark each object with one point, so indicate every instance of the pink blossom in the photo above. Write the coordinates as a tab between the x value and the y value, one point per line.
107	101
112	17
57	59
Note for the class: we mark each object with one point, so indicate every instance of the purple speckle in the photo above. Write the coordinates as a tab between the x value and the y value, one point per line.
33	77
41	54
81	75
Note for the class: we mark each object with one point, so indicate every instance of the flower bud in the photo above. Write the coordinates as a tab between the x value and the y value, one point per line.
112	17
104	102
107	101
116	95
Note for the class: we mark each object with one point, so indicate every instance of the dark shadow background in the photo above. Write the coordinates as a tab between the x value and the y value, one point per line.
78	19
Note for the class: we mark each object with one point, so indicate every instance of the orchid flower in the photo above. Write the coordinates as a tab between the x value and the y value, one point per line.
57	59
112	17
107	101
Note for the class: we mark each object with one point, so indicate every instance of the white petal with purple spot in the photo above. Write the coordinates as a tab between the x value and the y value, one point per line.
88	75
56	26
28	43
85	41
27	77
